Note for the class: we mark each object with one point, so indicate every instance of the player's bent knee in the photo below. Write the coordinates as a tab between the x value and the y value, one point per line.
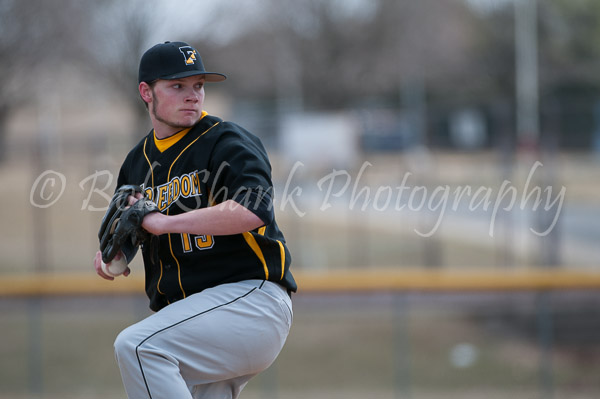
125	344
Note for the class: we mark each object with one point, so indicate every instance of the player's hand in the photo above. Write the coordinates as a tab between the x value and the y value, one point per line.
98	266
152	222
133	199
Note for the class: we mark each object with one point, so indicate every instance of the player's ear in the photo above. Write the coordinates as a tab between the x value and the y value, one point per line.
145	92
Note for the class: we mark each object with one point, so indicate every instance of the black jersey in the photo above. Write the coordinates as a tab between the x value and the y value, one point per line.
215	161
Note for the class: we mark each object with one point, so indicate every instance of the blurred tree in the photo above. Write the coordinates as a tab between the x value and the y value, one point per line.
570	38
110	46
569	65
335	53
568	61
33	35
313	54
117	33
569	43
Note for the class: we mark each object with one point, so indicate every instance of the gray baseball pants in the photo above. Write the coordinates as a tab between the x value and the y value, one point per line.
208	345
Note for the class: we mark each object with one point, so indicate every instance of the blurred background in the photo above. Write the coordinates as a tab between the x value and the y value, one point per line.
436	167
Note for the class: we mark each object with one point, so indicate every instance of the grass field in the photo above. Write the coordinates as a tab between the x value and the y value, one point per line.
416	345
360	345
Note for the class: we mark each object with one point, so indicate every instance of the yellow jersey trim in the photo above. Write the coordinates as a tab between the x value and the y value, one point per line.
149	164
256	248
152	176
169	179
160	279
188	146
164	144
178	266
282	254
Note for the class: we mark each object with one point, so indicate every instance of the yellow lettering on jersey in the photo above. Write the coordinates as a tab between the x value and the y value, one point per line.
186	242
174	189
149	193
195	178
204	242
162	200
186	186
201	242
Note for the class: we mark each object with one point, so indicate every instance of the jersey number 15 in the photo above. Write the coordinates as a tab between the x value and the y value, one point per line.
201	242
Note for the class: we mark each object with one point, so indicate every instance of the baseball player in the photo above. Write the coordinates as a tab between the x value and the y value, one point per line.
217	268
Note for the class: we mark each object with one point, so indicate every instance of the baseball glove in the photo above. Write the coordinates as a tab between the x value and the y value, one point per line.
121	227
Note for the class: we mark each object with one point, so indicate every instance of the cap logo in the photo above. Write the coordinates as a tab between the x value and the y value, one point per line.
189	54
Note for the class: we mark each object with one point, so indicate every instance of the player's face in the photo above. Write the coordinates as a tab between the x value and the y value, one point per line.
177	104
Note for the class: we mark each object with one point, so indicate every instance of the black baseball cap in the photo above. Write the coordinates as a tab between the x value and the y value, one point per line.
173	60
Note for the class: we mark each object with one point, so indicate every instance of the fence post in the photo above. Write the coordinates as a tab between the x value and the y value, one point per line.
35	368
402	374
545	339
